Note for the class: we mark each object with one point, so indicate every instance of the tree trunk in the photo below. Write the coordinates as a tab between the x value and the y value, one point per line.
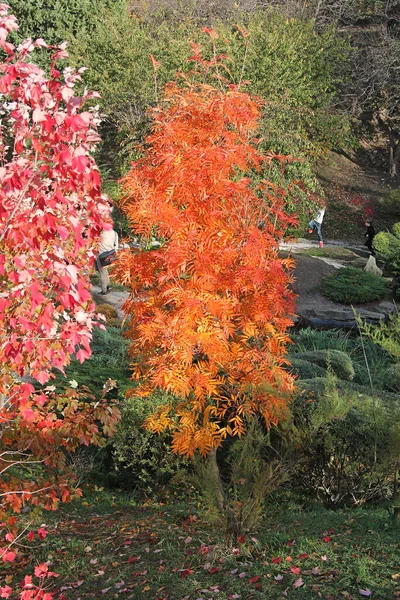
216	478
396	493
394	152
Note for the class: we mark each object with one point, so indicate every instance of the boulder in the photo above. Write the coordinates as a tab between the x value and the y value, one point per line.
371	267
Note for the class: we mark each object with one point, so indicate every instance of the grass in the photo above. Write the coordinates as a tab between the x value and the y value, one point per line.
111	547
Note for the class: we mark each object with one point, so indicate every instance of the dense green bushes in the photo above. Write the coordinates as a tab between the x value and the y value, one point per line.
337	361
291	66
353	286
54	20
388	246
350	461
143	460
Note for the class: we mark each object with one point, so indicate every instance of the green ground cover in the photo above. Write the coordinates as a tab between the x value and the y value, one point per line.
110	547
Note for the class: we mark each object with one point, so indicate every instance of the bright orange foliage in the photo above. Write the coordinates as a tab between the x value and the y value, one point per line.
210	308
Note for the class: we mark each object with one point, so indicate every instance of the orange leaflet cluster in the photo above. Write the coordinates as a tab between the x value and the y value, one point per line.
215	306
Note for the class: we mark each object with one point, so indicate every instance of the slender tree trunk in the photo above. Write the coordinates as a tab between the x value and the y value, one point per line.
394	152
216	478
396	492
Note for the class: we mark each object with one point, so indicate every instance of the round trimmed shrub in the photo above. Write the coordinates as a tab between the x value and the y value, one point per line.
337	361
353	286
306	369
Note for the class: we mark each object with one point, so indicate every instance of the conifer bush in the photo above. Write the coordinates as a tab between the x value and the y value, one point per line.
353	286
337	361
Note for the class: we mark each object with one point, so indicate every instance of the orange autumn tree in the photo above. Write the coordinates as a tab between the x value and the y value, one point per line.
211	306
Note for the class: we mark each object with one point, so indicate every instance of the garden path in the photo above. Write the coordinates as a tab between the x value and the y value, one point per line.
312	308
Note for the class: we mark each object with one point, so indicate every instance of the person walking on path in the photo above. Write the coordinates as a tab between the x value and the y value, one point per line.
108	243
369	234
316	223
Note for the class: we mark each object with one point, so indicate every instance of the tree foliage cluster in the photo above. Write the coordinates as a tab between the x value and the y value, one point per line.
51	212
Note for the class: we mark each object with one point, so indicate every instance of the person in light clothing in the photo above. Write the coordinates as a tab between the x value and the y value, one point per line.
316	223
109	241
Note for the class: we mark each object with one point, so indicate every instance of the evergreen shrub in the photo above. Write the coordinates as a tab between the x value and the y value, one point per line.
143	460
350	461
337	361
353	286
392	378
305	369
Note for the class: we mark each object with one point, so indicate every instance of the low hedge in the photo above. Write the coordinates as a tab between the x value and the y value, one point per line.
337	361
305	369
353	286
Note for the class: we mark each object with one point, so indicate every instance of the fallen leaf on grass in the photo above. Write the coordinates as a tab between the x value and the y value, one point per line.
396	576
186	572
295	570
302	556
188	540
276	560
93	561
278	577
119	585
105	590
242	575
255	579
298	583
215	570
133	559
366	592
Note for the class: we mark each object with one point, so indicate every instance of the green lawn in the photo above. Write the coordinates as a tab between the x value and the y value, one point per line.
111	547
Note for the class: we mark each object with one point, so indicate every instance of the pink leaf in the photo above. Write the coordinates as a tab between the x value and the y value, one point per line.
298	583
38	116
365	592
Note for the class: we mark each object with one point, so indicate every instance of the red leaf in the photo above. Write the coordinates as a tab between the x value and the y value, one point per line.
302	556
295	570
214	570
326	539
186	572
8	556
42	533
276	560
255	579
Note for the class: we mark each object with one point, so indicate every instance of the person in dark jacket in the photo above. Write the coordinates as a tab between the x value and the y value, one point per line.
369	234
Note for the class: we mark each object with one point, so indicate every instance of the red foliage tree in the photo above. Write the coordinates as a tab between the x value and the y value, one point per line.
211	307
51	212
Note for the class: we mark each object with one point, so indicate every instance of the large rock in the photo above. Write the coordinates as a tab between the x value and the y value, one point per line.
371	267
